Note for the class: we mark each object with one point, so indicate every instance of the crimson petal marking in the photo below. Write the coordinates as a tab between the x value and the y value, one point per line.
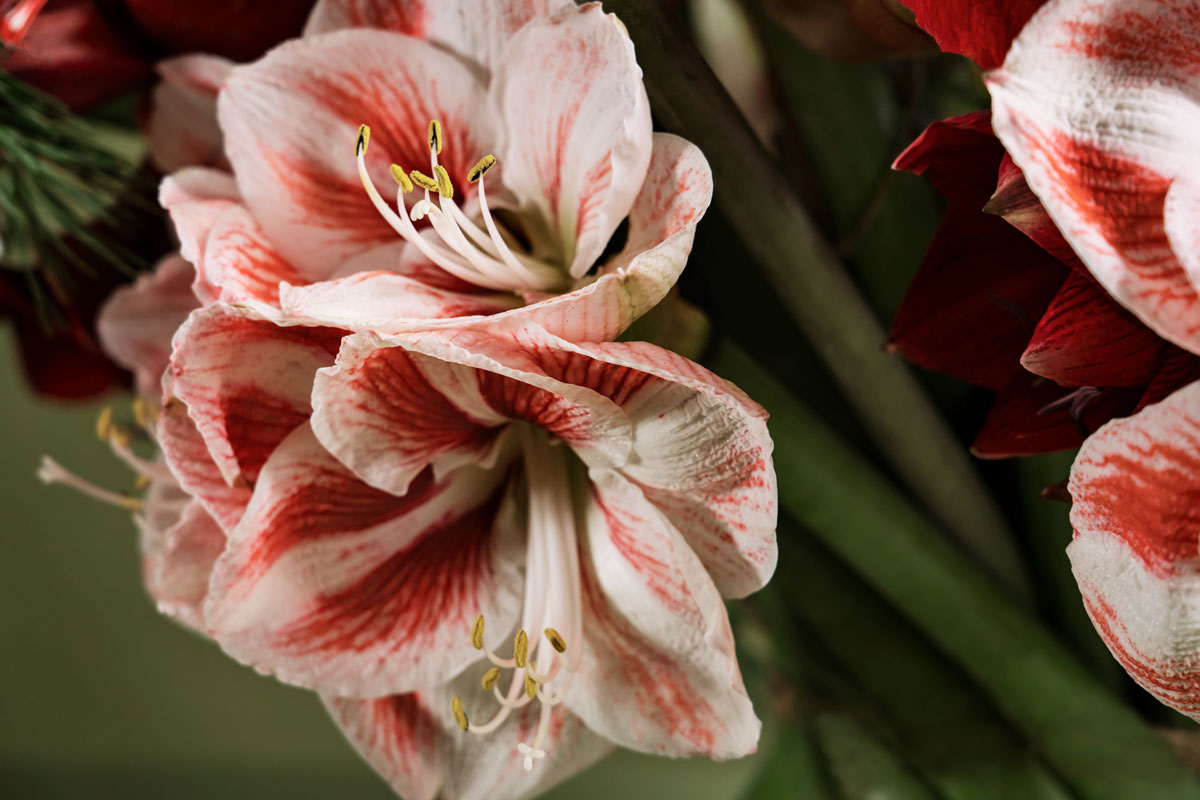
474	30
981	30
136	323
577	126
662	225
1135	488
335	586
192	465
1098	103
1086	339
378	413
178	562
398	737
182	130
291	121
241	263
659	673
246	382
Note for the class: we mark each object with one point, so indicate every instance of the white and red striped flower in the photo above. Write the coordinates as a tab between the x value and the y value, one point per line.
591	503
502	144
1098	103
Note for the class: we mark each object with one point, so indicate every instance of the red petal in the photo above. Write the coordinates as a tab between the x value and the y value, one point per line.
194	468
981	30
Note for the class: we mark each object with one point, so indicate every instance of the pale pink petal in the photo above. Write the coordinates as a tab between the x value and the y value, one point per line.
476	30
333	585
136	323
384	302
1135	488
659	673
662	224
291	124
577	130
196	198
400	738
246	382
182	130
1098	103
240	263
702	455
179	560
193	466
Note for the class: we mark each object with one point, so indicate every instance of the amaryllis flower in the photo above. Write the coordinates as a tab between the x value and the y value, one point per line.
492	506
408	162
1097	103
1003	302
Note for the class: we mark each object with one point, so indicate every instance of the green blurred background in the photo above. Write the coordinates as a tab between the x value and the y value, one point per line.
101	697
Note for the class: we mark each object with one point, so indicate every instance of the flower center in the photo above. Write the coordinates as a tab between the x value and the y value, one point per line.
542	669
119	436
482	256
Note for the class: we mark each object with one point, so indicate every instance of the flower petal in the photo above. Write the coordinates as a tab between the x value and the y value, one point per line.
182	129
1098	103
291	122
981	30
178	562
662	225
330	584
474	30
398	736
240	263
193	466
137	322
1086	339
246	382
196	198
1135	488
577	129
659	673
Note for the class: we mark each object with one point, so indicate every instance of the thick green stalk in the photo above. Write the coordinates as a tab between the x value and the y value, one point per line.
816	290
1100	748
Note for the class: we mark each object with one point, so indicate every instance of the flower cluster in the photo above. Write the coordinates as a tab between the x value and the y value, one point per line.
404	461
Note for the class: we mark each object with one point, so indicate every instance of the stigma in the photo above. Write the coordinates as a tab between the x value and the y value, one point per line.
481	255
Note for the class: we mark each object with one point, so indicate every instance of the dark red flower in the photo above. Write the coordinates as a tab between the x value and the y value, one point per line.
1002	301
982	30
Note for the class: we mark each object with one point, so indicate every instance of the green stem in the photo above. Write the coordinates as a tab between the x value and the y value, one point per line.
816	290
1101	749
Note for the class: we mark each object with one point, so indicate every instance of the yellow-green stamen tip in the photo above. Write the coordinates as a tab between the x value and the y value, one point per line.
424	181
477	633
435	136
490	678
521	648
530	686
556	640
460	716
481	167
401	178
364	138
104	424
445	187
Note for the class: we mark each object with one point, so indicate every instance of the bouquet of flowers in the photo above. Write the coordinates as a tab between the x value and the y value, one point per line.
429	419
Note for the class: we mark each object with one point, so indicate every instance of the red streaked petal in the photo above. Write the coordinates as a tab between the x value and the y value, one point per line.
291	122
1086	339
136	323
981	30
182	129
196	198
193	466
380	415
330	584
470	29
399	737
1177	369
246	382
1096	103
1135	488
659	673
662	225
178	561
1020	207
241	263
577	128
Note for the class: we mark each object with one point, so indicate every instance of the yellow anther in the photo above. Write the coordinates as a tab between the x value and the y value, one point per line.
364	138
143	413
424	181
556	640
142	482
477	633
490	678
460	716
521	648
400	177
435	136
120	436
481	166
530	685
104	424
445	187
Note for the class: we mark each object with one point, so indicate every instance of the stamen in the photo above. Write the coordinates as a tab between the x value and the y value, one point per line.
145	415
481	167
401	178
444	187
556	640
424	181
477	633
531	686
364	138
521	648
460	716
490	679
104	424
435	136
51	472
